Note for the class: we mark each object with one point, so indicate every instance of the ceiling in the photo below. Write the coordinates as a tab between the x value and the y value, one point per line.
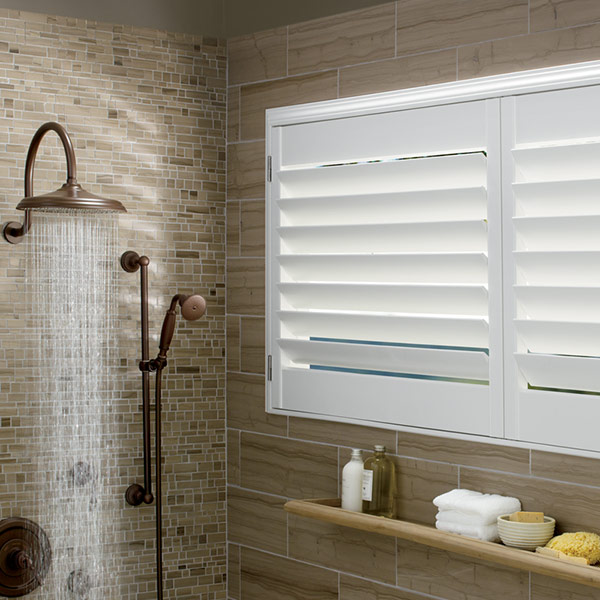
217	18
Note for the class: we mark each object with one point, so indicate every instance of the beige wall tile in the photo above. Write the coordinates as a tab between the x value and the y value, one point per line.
548	588
246	405
246	170
233	343
246	286
253	345
287	467
530	52
233	572
146	111
253	228
257	520
431	25
553	14
257	56
563	467
398	73
256	98
233	228
419	482
475	454
575	508
233	457
350	550
268	577
454	577
342	434
352	588
349	38
233	114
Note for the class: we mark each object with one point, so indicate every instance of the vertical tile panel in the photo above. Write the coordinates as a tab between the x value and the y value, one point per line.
287	467
257	56
268	577
360	36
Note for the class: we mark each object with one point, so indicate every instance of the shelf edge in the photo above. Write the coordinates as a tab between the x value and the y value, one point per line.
328	510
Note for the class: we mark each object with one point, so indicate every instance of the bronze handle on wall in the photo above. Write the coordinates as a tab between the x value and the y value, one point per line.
136	493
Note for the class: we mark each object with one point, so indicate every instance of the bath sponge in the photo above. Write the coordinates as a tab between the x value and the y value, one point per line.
581	543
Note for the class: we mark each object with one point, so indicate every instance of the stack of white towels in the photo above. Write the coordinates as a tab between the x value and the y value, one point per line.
473	514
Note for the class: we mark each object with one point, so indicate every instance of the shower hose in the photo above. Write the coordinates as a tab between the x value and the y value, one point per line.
157	452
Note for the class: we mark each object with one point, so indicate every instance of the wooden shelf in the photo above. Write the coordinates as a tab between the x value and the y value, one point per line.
329	510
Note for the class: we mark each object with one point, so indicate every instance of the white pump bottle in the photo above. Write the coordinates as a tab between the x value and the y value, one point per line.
352	474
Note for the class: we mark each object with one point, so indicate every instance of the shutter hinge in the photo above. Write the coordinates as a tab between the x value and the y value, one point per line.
269	168
269	368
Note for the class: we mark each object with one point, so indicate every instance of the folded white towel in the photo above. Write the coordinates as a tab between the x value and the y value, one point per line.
464	518
487	533
482	506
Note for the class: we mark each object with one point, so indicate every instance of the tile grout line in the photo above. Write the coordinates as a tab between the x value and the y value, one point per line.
339	491
457	79
396	29
239	114
240	457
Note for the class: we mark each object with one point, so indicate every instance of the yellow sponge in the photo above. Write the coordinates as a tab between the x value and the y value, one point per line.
581	543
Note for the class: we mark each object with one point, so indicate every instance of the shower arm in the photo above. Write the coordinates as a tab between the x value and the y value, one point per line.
137	494
15	231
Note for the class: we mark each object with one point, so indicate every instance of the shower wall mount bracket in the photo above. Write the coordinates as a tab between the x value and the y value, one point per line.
25	556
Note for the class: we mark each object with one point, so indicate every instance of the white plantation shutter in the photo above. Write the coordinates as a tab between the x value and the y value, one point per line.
379	280
552	267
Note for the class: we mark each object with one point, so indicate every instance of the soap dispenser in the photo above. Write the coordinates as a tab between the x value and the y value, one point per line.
352	474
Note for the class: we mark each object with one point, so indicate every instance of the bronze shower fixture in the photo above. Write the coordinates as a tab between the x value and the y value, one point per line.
192	308
25	556
70	196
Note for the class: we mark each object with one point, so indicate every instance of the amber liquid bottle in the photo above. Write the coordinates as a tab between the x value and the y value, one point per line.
379	485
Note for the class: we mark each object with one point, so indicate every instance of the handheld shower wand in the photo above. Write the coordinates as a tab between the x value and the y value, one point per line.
192	308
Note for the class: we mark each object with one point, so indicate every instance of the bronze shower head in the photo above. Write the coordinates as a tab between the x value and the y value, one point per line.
70	196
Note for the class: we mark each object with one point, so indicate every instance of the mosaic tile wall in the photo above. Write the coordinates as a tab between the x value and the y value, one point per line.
146	111
273	555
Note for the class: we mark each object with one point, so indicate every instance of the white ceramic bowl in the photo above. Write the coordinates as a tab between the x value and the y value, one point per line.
527	536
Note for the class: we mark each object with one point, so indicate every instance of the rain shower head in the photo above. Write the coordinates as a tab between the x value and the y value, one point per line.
71	196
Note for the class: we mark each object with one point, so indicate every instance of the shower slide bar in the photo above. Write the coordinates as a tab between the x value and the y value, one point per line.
192	308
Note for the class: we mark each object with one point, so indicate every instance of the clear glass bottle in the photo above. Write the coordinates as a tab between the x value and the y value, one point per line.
379	485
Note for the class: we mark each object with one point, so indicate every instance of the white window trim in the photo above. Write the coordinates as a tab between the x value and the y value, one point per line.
527	82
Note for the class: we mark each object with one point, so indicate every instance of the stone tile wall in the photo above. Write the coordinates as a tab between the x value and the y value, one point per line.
146	111
272	458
